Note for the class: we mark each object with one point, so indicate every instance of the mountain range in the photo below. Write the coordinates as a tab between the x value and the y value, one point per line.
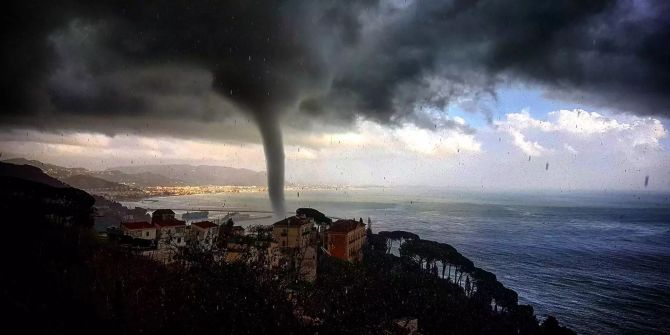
54	171
141	176
143	179
201	174
88	182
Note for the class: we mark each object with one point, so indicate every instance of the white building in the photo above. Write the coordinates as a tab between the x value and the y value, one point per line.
170	233
142	230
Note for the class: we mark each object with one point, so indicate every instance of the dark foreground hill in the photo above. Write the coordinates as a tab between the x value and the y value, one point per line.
30	198
30	173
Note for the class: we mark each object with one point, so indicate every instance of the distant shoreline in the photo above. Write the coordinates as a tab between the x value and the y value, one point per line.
169	191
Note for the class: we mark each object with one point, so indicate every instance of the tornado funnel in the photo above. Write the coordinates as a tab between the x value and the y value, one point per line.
274	160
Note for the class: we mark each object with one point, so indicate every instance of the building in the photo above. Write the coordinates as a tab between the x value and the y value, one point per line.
142	230
204	233
296	240
308	265
346	239
170	233
162	215
293	232
237	252
272	255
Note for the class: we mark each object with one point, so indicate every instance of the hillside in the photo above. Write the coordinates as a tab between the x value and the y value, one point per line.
86	182
142	179
152	175
114	176
28	195
30	173
201	174
58	172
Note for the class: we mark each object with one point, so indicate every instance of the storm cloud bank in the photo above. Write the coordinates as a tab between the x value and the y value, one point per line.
169	67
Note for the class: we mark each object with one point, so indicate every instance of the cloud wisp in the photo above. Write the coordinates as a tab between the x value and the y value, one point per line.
580	126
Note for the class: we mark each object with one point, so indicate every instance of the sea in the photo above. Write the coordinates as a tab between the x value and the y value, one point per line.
599	262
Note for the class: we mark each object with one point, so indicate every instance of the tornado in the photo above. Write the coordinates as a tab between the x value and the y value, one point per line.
273	147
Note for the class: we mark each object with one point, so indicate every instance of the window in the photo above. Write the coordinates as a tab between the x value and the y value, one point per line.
146	234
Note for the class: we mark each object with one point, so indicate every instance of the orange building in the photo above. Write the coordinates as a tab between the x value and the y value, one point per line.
346	239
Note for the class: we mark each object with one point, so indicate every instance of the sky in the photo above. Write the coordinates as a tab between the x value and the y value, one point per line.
484	95
586	149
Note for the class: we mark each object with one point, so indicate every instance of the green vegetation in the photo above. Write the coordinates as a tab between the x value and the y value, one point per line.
365	298
318	217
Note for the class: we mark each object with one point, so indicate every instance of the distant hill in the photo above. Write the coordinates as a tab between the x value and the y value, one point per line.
55	171
30	173
141	176
87	182
201	174
143	179
138	180
314	214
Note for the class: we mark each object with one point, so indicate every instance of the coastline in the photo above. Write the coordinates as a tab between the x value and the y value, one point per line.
514	241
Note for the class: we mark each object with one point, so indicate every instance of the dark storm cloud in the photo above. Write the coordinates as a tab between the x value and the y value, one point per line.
602	52
110	66
327	60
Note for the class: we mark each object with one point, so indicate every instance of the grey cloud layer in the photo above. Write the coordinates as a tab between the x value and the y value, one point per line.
173	62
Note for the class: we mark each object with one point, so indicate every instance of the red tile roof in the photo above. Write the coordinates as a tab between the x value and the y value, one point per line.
137	225
204	224
344	226
169	223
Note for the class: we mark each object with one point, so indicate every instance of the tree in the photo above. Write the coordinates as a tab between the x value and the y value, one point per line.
397	236
318	217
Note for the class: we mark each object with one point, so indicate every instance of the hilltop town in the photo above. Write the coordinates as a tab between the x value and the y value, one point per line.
291	244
